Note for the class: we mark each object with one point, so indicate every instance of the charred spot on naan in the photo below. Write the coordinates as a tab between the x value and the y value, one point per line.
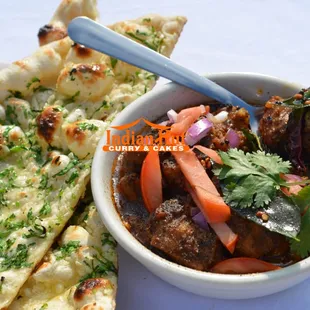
49	33
56	160
75	134
90	81
90	73
81	54
82	137
88	287
49	127
47	123
82	51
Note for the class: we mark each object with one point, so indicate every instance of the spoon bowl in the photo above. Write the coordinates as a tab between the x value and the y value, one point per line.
100	38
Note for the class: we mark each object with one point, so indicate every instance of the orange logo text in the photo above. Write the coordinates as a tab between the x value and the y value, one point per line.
161	139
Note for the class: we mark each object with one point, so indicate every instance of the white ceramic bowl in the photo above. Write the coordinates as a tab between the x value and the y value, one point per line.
252	88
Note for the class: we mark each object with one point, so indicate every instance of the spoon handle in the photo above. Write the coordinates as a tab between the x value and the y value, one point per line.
93	35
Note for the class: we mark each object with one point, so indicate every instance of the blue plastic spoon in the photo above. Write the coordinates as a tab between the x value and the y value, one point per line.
86	32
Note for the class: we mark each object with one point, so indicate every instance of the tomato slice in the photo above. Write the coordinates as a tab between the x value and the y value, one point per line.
243	265
226	235
222	230
211	153
211	203
151	181
213	206
185	120
194	171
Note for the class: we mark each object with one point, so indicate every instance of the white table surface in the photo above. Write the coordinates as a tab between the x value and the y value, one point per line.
269	37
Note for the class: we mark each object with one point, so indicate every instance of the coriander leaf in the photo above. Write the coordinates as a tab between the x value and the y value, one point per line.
30	216
11	115
16	94
67	249
251	179
301	245
72	177
40	88
5	246
71	164
18	148
273	164
33	80
7	130
46	209
17	259
246	192
43	181
113	62
87	126
240	164
37	231
99	267
106	238
152	46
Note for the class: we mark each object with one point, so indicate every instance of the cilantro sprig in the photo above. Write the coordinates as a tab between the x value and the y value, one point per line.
251	179
67	249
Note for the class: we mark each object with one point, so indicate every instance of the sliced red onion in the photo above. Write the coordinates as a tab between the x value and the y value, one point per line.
198	131
194	211
222	116
200	220
202	108
211	118
164	123
172	115
233	138
292	178
218	118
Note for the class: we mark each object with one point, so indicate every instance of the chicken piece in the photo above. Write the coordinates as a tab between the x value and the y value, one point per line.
139	228
175	234
255	240
273	125
238	120
172	172
129	186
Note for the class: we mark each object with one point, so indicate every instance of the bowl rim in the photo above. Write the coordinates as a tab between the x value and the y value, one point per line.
138	250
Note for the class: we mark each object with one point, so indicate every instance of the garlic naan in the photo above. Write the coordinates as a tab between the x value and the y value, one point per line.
54	108
56	29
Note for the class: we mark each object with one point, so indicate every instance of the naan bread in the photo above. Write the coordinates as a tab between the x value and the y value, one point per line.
48	139
41	68
38	192
56	29
156	32
80	273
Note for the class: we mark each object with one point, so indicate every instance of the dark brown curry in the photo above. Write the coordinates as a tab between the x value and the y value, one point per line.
175	232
